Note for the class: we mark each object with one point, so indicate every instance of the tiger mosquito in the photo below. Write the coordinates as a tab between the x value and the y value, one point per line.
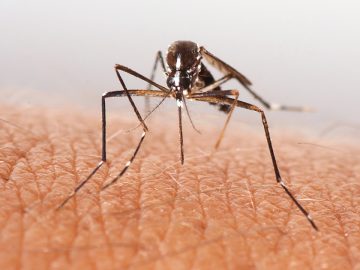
189	79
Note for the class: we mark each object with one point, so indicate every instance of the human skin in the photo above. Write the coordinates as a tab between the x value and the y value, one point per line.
220	210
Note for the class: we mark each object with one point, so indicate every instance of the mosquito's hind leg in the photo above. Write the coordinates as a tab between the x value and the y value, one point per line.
245	82
241	104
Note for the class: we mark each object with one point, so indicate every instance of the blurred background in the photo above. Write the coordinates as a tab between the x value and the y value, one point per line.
62	53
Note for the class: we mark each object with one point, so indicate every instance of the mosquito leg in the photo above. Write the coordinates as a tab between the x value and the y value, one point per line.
78	187
159	58
207	89
146	93
275	106
218	141
127	165
227	69
223	93
103	155
138	75
216	84
131	100
241	104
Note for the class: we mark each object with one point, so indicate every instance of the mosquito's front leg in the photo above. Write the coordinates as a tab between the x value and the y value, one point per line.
130	99
141	77
146	93
164	93
103	155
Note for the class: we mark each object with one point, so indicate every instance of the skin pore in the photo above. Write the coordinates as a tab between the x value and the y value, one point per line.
221	210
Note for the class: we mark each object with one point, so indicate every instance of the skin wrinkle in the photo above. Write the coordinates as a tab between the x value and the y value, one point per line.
261	235
78	219
98	199
246	250
105	241
299	246
108	244
18	193
20	156
49	153
199	222
203	220
136	171
228	207
255	169
17	211
138	220
17	127
171	213
252	212
54	173
35	177
103	228
339	220
215	207
144	216
250	259
292	206
18	263
77	179
178	252
53	166
251	195
226	189
21	237
181	186
110	233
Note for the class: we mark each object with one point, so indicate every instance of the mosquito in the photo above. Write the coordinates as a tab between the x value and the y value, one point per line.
187	78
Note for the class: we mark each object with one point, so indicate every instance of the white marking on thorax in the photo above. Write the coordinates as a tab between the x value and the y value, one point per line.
178	62
177	79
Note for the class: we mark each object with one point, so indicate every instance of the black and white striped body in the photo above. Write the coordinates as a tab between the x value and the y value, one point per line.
186	73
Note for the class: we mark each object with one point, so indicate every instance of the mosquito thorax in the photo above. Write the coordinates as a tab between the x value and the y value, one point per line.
184	61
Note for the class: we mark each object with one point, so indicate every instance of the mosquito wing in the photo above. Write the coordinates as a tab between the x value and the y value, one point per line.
223	67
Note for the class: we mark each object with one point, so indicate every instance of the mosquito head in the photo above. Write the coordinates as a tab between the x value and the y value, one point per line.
184	61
